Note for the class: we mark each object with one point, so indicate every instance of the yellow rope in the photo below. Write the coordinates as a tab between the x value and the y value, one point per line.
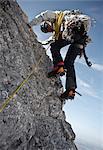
20	86
58	22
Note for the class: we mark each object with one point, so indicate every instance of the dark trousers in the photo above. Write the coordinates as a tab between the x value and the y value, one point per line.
71	55
55	50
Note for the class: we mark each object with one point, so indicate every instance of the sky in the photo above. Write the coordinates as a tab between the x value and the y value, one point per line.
84	113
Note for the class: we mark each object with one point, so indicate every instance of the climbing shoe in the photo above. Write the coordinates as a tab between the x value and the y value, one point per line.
56	70
68	94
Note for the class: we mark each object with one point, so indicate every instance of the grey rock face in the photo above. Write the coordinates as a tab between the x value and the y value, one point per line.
33	119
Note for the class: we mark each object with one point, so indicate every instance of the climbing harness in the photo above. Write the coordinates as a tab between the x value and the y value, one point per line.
21	84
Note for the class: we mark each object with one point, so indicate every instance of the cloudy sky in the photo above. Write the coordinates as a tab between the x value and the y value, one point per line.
85	113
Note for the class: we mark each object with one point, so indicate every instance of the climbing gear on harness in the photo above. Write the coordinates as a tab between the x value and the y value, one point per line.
86	59
84	54
79	46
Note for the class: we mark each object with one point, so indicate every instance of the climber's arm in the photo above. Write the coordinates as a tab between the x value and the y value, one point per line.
48	41
37	20
44	16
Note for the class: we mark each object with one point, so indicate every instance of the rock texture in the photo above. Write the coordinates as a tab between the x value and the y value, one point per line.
33	119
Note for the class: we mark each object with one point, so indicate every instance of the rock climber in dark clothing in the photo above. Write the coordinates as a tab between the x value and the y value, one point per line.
77	39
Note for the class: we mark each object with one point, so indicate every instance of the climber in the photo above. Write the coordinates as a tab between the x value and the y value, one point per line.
68	27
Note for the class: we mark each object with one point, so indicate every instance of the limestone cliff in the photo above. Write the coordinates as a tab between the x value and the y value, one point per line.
33	119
